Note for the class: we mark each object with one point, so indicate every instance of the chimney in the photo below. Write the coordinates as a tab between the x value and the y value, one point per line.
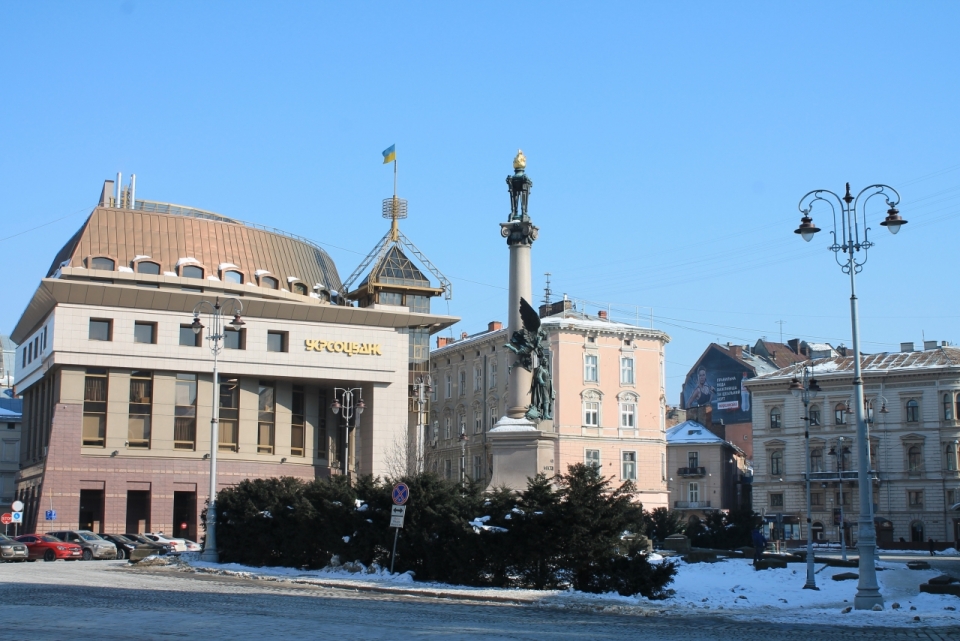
463	335
493	326
794	345
842	350
555	308
443	341
906	347
602	314
929	345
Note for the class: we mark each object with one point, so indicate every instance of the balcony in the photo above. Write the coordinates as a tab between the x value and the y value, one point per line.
846	475
691	471
691	505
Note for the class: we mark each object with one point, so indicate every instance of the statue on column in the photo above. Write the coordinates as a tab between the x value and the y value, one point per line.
528	344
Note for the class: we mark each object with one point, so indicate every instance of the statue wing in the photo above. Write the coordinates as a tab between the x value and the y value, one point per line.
531	320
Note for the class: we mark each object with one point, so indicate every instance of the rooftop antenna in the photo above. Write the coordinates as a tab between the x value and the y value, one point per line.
780	323
547	292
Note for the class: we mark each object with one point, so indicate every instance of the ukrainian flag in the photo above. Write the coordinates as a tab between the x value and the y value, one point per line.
389	154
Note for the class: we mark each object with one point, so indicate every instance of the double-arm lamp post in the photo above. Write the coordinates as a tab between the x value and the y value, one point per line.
216	336
350	408
850	239
806	388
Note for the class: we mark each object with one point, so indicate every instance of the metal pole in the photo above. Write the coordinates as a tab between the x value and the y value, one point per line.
811	583
210	553
843	542
393	555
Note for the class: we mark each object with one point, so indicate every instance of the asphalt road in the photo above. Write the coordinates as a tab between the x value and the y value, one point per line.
107	600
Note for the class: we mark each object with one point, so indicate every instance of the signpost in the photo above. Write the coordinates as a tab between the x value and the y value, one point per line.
50	515
400	495
6	519
17	506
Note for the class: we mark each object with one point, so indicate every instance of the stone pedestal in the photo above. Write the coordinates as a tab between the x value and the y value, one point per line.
520	451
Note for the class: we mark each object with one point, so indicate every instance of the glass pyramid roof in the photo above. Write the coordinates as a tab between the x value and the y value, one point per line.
397	269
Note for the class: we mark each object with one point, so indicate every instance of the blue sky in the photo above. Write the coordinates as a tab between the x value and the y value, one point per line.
668	143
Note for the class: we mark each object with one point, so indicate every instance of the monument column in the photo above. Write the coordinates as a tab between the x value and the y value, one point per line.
520	233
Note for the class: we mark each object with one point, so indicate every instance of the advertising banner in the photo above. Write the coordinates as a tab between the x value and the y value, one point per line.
718	381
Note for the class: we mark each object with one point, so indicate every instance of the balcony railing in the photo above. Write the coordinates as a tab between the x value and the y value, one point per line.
691	471
846	475
691	505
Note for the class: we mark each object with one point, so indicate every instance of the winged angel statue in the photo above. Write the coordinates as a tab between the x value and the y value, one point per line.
528	345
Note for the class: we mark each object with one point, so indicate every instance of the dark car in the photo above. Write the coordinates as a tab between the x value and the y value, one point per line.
11	550
140	540
50	548
124	545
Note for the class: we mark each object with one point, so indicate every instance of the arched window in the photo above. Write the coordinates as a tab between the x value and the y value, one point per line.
591	409
775	418
776	462
693	491
948	407
950	456
916	532
814	415
191	271
269	282
232	276
628	411
300	288
148	267
914	458
913	411
102	262
840	414
816	460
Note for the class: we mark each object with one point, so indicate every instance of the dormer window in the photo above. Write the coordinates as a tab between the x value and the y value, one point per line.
148	267
191	271
104	263
233	276
269	282
300	288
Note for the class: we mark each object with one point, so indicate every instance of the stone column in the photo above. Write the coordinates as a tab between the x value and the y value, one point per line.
520	285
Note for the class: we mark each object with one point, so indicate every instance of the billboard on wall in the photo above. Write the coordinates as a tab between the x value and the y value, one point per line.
718	381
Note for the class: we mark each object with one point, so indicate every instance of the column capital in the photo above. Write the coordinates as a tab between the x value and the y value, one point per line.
519	232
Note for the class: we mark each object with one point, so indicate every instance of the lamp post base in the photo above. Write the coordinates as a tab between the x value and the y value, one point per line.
210	556
811	587
867	600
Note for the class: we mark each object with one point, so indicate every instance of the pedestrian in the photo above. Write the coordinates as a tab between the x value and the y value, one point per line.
932	546
759	543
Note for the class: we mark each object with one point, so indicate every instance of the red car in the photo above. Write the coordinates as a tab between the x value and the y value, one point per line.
48	548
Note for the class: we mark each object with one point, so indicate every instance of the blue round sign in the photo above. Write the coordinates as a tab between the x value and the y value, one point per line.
400	493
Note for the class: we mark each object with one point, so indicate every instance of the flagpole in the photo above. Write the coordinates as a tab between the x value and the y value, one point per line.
394	176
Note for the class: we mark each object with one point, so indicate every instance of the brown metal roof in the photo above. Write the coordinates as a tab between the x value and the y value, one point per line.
888	362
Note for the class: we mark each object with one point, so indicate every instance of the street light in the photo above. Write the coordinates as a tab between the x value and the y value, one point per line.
463	452
806	388
841	453
422	388
350	409
216	338
849	243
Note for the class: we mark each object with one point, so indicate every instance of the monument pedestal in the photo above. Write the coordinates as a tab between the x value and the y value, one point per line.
520	451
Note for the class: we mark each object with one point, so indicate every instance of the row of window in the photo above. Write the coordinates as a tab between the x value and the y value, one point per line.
227	275
914	460
140	413
842	410
462	381
101	329
592	407
914	499
34	348
591	369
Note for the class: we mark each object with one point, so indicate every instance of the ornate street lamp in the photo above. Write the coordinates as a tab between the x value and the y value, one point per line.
806	388
847	241
463	453
422	389
350	409
216	338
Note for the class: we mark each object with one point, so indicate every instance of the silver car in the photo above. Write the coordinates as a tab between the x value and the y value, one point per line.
11	550
93	546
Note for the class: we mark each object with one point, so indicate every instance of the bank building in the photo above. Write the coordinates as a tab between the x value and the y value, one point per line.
116	369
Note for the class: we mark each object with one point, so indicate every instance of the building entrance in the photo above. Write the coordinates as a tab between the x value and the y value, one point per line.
91	510
138	511
185	515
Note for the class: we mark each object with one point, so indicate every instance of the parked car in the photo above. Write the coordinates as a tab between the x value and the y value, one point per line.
124	545
180	545
11	550
161	548
192	546
49	548
93	546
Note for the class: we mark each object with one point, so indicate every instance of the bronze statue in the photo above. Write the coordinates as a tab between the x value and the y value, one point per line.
528	344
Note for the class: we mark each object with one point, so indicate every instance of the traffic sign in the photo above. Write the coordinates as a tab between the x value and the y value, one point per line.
17	517
6	518
17	506
51	515
396	515
400	493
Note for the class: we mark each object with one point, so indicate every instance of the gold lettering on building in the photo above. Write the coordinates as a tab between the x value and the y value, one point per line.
343	347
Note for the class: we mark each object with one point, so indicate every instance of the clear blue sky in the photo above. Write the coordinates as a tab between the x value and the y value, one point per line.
669	144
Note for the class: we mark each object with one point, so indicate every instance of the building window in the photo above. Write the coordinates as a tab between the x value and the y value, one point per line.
816	460
185	412
842	498
269	282
141	404
916	532
298	423
447	427
913	411
815	415
228	439
448	387
233	338
462	386
693	459
776	462
776	500
592	458
626	370
590	368
188	338
663	466
840	414
101	262
775	418
477	421
477	468
591	413
693	492
629	466
148	267
191	271
266	417
950	457
477	378
493	374
448	469
948	407
628	415
276	341
914	458
101	329
95	408
300	288
816	499
915	498
145	333
233	277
